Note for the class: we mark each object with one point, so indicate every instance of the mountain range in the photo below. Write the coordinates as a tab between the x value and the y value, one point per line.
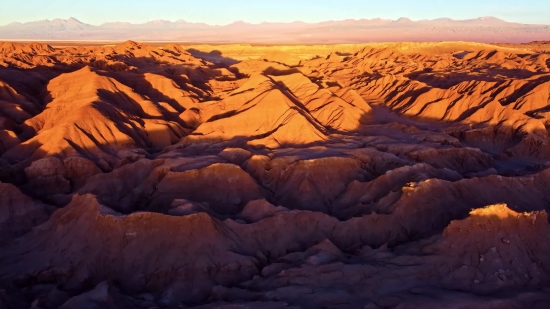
483	29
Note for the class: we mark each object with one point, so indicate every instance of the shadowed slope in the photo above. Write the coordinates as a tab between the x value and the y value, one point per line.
352	180
88	111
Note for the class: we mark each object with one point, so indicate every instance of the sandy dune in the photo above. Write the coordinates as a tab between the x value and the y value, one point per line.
395	175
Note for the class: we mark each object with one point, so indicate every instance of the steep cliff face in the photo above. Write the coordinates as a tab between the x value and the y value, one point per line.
137	177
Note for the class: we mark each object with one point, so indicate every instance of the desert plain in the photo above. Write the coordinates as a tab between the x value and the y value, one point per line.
165	175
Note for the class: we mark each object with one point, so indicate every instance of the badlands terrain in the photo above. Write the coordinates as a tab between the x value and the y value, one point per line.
403	175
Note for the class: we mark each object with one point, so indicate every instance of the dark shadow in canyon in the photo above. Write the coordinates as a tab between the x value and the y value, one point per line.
213	147
200	77
444	79
215	56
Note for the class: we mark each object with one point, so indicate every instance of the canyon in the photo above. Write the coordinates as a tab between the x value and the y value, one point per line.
388	175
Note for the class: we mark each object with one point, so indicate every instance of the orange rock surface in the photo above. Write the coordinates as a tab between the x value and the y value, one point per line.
402	175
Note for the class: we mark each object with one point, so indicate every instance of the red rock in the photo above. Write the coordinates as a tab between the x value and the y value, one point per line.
357	179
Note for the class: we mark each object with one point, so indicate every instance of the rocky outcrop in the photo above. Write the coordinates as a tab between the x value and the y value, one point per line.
387	177
19	213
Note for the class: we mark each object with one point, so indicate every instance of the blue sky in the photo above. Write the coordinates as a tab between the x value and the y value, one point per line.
220	12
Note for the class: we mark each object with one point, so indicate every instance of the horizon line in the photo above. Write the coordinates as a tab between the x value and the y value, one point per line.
266	22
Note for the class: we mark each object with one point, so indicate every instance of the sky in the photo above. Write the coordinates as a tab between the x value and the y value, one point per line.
221	12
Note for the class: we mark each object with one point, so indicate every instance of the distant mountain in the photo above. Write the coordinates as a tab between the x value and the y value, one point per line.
56	25
482	29
154	25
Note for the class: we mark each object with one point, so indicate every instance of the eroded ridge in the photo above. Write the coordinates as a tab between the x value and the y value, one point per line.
393	176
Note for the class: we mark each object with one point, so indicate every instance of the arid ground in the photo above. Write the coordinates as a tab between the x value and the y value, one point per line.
397	175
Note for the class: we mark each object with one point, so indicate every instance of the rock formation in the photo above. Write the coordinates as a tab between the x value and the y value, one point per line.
134	176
